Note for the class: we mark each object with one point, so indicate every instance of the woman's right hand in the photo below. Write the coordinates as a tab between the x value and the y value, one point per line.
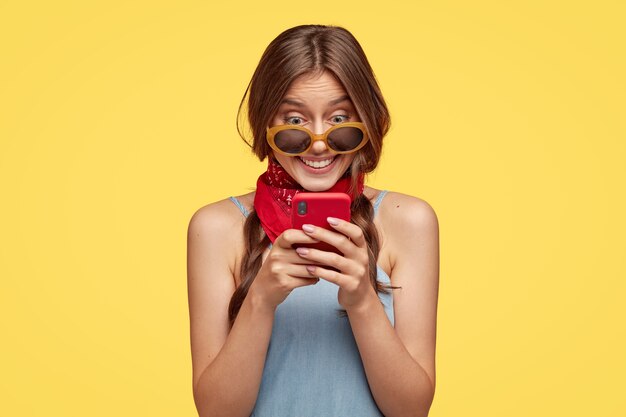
283	270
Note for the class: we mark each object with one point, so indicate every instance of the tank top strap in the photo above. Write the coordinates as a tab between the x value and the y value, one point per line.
380	197
243	209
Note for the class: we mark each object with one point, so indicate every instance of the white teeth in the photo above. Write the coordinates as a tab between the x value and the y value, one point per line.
318	164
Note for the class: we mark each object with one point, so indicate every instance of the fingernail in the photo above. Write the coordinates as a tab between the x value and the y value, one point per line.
333	221
310	268
308	228
302	251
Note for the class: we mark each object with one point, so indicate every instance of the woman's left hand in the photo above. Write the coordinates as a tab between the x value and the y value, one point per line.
352	275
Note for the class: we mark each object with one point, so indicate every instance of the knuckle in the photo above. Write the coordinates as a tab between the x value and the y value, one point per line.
288	235
361	270
275	256
281	239
283	285
352	286
363	256
276	268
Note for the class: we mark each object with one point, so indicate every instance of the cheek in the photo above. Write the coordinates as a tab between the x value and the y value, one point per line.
284	161
348	159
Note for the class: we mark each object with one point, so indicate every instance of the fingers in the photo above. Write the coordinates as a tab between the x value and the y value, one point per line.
354	232
354	266
335	277
319	257
302	282
348	237
286	265
286	256
293	270
297	275
291	236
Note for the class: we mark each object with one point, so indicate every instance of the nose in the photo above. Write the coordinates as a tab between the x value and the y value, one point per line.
319	146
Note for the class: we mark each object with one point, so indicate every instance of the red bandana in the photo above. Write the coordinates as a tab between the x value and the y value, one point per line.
274	190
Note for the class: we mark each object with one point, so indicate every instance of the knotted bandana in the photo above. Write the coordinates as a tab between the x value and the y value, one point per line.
275	189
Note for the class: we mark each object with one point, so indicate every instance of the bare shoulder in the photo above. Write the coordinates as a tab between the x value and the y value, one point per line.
399	211
217	216
222	214
216	227
407	221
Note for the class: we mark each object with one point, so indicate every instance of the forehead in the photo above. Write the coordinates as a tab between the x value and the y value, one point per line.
322	87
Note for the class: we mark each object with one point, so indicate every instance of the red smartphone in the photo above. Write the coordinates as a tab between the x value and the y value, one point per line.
314	208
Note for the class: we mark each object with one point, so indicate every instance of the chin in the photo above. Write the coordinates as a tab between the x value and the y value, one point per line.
312	184
317	186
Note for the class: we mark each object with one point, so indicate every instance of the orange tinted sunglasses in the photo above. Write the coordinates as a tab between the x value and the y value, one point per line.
293	140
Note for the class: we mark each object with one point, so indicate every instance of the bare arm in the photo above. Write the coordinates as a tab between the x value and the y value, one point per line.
228	364
399	361
230	384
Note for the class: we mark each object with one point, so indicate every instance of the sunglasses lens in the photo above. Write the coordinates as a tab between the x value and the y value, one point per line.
292	141
345	138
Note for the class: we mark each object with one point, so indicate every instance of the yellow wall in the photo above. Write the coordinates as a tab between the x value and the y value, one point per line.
117	122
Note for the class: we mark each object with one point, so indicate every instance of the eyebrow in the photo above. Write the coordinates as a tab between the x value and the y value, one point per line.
301	104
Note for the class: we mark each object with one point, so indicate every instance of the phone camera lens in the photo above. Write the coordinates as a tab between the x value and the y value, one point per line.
302	207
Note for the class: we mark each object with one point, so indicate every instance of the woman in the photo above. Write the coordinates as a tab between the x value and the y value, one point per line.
265	334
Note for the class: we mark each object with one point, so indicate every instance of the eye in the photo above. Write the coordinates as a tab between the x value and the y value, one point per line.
286	120
338	118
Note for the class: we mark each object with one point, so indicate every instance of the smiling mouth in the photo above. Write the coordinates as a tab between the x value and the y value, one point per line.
318	164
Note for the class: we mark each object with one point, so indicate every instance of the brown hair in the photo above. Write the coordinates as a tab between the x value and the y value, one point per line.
312	49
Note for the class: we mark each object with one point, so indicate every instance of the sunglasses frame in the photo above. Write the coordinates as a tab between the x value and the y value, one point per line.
272	131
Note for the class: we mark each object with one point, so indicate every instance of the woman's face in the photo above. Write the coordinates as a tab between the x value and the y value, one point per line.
316	102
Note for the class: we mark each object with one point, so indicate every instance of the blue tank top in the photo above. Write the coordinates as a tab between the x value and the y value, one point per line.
313	367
